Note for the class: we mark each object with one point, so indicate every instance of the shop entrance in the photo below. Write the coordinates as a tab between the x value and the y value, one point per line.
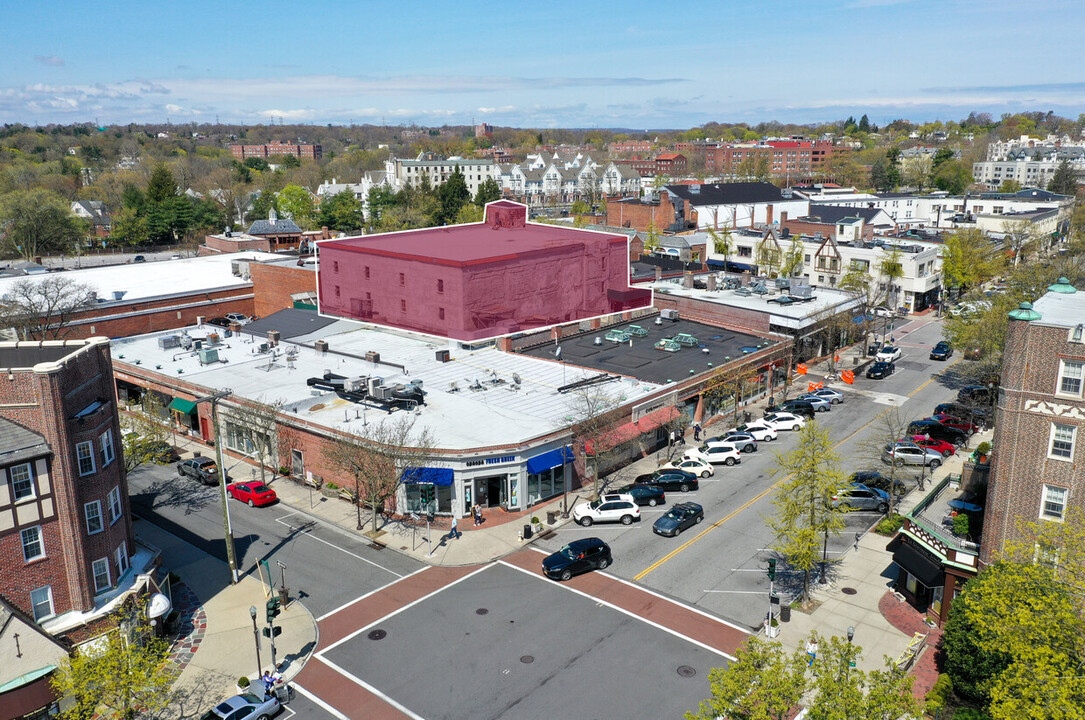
490	491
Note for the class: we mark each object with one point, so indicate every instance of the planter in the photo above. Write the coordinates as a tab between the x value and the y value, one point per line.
772	629
329	492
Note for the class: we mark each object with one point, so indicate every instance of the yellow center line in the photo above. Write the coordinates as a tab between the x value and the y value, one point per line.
654	566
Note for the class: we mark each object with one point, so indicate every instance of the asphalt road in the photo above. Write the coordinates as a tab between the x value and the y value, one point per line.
325	567
721	564
103	259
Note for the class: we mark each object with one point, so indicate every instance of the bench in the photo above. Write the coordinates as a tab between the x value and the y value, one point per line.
909	654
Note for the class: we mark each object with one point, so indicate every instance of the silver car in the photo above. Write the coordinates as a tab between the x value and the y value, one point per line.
904	454
249	705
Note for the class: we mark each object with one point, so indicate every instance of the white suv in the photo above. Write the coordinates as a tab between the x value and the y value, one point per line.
618	507
715	452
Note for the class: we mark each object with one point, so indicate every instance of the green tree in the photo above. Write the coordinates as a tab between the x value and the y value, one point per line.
651	238
162	186
290	161
453	194
941	156
129	227
721	244
488	192
840	691
125	677
768	256
296	202
968	259
258	164
793	259
953	176
38	222
804	517
263	204
763	683
469	213
891	268
342	212
1064	181
864	124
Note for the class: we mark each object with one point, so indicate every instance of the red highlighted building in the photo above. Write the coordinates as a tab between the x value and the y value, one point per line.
478	280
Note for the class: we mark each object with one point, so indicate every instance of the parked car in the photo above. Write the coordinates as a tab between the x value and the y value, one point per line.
219	322
692	465
901	454
946	448
650	495
938	431
716	453
860	497
888	354
976	395
609	508
249	706
833	396
977	415
955	422
745	442
253	493
882	311
577	557
784	421
139	258
761	431
796	406
673	480
677	519
820	404
202	469
874	479
238	318
941	351
881	370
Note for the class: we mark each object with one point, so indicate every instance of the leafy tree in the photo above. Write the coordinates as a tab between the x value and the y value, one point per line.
953	176
1009	186
453	194
342	211
297	203
470	213
38	222
129	227
768	256
381	198
864	124
942	156
258	164
162	186
580	208
804	517
891	269
651	238
840	691
968	259
1064	181
721	244
880	176
41	308
124	676
145	438
793	259
488	192
763	683
263	204
291	161
1021	238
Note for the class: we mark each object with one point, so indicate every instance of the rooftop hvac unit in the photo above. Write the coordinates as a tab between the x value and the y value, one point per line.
168	342
669	314
208	356
372	356
374	383
321	346
264	347
356	384
442	356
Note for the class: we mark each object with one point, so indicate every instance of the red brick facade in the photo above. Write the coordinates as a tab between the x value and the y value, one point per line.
274	283
638	215
66	380
121	319
797	160
276	149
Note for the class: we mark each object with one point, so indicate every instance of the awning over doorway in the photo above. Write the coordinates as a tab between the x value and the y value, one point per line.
427	476
547	460
186	407
625	433
924	568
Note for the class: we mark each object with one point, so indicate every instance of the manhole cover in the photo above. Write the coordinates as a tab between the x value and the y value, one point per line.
849	591
527	659
686	671
377	635
481	611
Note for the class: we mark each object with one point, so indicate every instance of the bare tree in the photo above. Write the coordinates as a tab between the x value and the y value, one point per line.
594	417
145	439
889	427
375	457
41	309
250	428
731	382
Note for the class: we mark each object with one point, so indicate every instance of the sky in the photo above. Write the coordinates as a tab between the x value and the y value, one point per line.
628	64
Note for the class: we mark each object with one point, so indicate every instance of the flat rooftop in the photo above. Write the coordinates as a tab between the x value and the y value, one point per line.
639	358
480	398
140	281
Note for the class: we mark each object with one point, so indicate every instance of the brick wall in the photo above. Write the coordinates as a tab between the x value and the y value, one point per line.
213	245
272	286
639	215
144	316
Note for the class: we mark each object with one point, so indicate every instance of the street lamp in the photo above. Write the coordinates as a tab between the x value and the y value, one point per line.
231	557
851	633
255	636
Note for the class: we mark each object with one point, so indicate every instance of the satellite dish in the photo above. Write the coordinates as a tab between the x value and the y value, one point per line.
516	378
158	606
557	352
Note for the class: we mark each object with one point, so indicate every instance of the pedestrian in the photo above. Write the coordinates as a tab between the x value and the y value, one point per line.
455	531
477	512
811	651
269	682
697	432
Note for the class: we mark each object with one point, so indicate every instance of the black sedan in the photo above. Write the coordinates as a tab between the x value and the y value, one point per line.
650	495
577	557
674	480
941	351
874	479
678	518
938	431
978	416
880	370
798	407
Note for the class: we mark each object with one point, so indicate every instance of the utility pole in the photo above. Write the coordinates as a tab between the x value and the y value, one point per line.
228	530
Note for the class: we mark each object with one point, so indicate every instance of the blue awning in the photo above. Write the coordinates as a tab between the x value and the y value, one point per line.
859	319
548	460
427	476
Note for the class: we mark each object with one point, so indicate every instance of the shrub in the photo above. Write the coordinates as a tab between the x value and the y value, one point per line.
331	486
983	448
939	694
242	682
889	525
284	470
970	714
960	525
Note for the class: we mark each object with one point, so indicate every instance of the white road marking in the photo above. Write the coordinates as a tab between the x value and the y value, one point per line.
883	398
309	534
656	625
373	592
327	708
361	683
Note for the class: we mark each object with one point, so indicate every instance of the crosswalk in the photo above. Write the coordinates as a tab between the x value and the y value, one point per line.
881	398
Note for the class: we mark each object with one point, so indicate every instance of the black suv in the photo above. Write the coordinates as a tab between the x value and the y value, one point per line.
976	395
874	479
798	407
577	557
941	351
880	370
938	431
679	480
650	495
977	415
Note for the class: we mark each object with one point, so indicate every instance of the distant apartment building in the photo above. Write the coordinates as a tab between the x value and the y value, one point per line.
401	173
483	130
792	160
1040	419
65	525
629	146
276	150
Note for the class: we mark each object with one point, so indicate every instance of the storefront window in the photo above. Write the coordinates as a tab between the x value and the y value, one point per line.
414	499
545	485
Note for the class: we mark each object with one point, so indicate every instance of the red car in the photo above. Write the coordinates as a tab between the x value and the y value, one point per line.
955	422
253	493
941	446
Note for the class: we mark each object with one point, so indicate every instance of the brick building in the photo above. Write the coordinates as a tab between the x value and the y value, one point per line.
629	146
274	150
288	283
671	164
66	544
663	210
793	160
1037	458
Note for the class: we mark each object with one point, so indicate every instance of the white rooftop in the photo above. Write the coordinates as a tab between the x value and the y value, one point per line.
1061	309
795	316
139	281
499	411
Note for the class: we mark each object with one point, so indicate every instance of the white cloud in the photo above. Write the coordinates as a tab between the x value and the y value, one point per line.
50	60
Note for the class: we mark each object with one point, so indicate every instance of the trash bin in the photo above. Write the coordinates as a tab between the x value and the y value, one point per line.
284	596
282	692
785	613
746	416
527	532
551	517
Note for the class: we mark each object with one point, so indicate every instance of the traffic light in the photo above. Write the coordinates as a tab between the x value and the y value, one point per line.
428	493
272	609
273	631
772	568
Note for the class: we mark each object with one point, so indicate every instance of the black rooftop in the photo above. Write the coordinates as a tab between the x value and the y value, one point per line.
728	193
290	323
834	213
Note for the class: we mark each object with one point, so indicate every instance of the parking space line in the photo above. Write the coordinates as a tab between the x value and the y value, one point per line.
325	706
308	533
633	615
358	599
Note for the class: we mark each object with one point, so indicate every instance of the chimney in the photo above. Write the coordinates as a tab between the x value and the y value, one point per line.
783	218
687	279
321	346
769	212
235	328
659	273
272	337
199	321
